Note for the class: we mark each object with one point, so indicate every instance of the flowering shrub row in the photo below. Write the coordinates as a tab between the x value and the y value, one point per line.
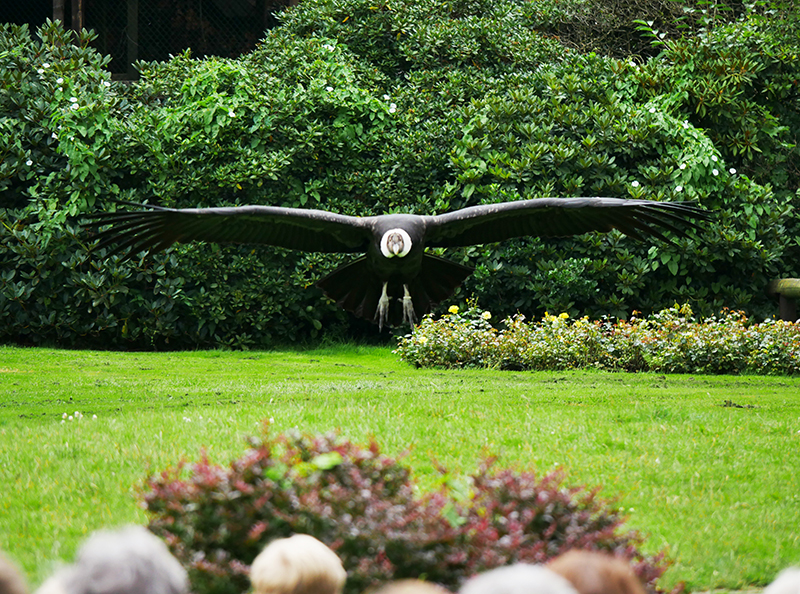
671	341
363	505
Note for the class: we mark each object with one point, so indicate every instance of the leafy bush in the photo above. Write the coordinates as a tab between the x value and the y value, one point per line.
55	130
670	341
362	504
364	108
739	81
54	290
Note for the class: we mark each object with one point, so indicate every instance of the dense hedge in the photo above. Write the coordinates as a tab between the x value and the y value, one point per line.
363	107
670	341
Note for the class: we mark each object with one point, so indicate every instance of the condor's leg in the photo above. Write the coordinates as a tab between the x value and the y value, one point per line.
409	315
382	313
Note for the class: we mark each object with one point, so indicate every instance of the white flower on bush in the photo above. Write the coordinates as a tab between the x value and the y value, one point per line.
635	184
682	166
386	97
715	171
45	65
329	89
732	171
328	47
40	71
28	162
714	158
59	80
652	110
679	189
392	108
486	315
231	113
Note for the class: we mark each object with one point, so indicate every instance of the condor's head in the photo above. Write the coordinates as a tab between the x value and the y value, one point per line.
395	243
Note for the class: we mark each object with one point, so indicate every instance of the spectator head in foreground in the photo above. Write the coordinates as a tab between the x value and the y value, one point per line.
787	582
11	580
597	573
518	579
299	564
410	587
131	560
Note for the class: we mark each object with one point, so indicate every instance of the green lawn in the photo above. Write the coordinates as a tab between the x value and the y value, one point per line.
716	485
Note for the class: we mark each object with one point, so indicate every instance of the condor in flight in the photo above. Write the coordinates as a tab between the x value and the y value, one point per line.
394	281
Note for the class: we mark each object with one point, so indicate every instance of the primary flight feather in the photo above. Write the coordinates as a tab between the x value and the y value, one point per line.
395	281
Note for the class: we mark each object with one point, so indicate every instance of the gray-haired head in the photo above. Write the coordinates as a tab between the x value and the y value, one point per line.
787	582
131	560
518	579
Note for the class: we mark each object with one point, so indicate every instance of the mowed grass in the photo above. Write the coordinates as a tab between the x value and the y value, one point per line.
716	486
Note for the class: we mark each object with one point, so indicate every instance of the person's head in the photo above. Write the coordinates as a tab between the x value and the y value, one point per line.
410	587
787	582
596	573
518	579
131	560
11	580
299	564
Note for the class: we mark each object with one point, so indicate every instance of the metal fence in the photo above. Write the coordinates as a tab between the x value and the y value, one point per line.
131	30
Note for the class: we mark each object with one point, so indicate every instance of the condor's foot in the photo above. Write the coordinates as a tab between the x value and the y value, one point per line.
409	315
382	313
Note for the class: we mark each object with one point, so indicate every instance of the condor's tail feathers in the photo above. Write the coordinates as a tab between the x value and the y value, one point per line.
355	288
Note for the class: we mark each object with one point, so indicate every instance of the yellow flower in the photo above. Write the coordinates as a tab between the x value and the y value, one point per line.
486	315
453	309
563	315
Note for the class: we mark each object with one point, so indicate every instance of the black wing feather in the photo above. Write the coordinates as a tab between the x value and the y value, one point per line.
301	229
560	217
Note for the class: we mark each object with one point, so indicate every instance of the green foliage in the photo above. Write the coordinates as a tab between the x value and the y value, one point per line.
739	81
56	131
363	504
54	290
423	107
293	131
403	36
670	341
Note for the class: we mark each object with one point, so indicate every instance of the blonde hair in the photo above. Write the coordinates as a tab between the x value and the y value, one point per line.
299	564
597	573
410	587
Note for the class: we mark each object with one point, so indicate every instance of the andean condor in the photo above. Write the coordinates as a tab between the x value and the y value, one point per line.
395	280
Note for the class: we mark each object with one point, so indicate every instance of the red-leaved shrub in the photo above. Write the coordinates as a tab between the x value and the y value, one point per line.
362	504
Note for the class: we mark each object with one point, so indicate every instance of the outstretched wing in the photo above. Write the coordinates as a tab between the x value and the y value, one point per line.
157	228
560	217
